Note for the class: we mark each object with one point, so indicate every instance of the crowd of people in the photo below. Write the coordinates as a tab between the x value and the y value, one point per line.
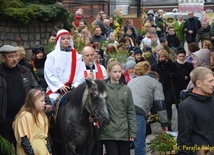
158	73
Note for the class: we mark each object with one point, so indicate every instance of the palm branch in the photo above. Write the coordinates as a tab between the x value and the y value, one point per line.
6	147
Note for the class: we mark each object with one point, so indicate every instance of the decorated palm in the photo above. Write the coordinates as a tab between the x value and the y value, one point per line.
120	55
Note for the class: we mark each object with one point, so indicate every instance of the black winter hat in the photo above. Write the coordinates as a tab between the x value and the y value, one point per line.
180	50
37	49
163	39
148	49
137	50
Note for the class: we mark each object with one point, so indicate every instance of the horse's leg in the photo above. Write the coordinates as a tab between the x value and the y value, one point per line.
68	150
56	138
95	147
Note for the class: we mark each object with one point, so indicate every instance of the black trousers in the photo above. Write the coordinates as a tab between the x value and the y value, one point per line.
169	114
114	147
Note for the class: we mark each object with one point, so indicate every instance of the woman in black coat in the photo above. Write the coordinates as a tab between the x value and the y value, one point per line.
165	69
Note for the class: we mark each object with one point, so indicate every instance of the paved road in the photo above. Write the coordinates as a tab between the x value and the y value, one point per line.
156	128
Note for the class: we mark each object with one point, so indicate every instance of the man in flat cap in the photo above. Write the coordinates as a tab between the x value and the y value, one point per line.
15	82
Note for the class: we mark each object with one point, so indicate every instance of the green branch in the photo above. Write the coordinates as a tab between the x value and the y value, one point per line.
6	147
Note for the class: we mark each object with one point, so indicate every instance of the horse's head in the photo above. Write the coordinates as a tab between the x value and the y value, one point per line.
94	99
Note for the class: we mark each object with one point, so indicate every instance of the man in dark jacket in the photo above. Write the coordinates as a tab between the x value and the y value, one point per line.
191	26
15	82
172	39
203	33
195	116
97	37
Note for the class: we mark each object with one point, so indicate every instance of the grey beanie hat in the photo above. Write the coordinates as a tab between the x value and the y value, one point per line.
130	63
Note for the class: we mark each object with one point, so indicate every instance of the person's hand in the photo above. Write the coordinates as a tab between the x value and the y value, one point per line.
158	29
190	31
131	139
64	89
48	108
148	117
164	130
91	75
98	17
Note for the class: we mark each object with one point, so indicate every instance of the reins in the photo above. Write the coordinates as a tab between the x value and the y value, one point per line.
93	118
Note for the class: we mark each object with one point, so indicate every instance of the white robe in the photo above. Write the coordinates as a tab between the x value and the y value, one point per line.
57	71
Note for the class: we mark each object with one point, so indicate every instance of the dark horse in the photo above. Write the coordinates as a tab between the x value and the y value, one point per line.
81	112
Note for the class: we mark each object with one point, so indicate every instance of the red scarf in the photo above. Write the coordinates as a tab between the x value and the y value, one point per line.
99	73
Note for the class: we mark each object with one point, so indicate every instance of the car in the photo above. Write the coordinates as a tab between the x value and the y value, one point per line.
168	16
209	10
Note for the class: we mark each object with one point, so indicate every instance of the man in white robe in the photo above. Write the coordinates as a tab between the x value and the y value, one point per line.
63	66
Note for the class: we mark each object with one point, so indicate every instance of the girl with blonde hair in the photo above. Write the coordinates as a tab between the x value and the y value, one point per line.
122	128
31	126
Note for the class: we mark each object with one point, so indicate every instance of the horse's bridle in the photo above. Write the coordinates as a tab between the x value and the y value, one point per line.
93	118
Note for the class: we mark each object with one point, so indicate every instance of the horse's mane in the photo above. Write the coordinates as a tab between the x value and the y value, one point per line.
76	94
101	86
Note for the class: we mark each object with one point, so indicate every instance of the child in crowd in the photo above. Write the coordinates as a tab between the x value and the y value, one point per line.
122	128
138	55
147	55
38	62
129	72
192	47
154	42
31	126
